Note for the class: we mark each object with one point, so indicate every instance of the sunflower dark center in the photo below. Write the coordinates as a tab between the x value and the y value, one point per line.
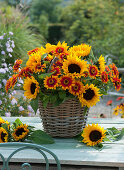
33	87
89	94
72	68
95	136
20	131
2	136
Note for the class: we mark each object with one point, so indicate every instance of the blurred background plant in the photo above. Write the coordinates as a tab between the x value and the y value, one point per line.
13	103
99	23
13	20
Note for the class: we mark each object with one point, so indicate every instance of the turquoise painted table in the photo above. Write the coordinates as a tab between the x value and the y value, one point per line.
72	154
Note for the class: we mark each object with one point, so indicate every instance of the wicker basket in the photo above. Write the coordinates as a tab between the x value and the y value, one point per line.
65	120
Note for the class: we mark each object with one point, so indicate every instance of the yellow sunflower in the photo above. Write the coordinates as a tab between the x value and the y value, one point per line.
93	134
90	96
20	132
35	63
3	135
116	110
3	121
101	64
31	87
80	50
74	66
121	106
50	49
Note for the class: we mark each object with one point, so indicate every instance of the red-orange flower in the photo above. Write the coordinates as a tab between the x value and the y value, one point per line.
107	69
64	56
76	88
117	83
104	77
114	70
25	72
11	82
56	71
39	67
17	65
33	51
14	80
8	85
59	50
65	82
93	71
58	63
51	82
119	98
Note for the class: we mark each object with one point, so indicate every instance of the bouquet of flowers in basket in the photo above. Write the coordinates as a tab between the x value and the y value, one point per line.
55	73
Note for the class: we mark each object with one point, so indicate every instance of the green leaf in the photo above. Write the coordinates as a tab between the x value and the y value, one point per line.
58	102
5	126
99	146
79	137
53	98
42	76
115	134
40	137
45	101
114	130
18	122
62	94
118	137
107	139
34	104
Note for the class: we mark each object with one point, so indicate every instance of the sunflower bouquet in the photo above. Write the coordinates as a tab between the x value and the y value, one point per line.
55	73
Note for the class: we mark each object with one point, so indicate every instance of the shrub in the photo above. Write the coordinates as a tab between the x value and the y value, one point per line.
12	20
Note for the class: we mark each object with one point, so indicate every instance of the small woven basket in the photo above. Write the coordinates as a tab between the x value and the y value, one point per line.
66	120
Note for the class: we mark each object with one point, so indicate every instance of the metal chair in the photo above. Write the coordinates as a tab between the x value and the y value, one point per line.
24	146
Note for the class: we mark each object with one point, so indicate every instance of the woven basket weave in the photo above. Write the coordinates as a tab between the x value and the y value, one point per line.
65	120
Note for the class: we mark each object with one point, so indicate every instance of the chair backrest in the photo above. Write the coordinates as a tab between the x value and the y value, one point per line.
18	146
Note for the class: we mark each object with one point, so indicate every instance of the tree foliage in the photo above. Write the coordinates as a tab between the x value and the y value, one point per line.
43	13
99	23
